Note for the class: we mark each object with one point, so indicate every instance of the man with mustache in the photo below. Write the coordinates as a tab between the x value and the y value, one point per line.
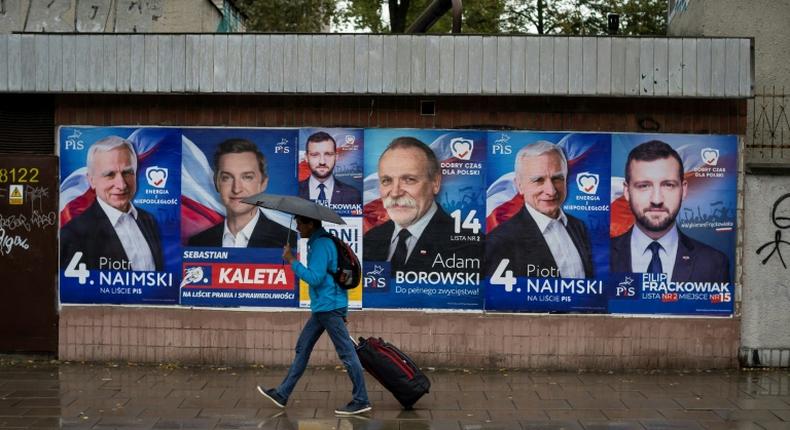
654	188
418	229
541	240
240	172
322	186
112	233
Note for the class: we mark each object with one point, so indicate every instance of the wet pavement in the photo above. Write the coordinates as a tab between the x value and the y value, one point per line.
41	394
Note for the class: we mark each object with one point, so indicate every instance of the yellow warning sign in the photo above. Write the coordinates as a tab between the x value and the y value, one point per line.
16	196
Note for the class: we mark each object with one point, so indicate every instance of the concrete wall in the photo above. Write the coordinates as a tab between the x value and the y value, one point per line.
120	16
765	20
765	330
765	335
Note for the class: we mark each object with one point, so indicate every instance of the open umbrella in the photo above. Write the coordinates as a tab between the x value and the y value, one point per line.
295	205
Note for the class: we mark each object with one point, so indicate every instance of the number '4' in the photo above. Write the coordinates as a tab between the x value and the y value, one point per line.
73	271
502	276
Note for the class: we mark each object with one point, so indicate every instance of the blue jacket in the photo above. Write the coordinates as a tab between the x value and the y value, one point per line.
325	295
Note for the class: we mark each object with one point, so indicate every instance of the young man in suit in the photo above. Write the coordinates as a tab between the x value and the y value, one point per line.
541	240
418	229
654	188
113	234
240	172
322	186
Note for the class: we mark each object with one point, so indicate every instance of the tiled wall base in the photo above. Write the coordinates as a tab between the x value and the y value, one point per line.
765	357
155	335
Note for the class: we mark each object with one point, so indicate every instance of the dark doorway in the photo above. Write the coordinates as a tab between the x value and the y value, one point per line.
28	253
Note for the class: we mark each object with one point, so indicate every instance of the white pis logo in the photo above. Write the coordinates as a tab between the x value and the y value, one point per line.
462	148
710	156
587	182
282	147
156	176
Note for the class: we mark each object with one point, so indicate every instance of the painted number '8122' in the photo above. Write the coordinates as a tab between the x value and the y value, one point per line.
19	175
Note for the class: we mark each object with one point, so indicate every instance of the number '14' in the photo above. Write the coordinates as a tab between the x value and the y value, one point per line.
469	223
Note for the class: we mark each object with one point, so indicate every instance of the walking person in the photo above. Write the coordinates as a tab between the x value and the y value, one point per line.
328	306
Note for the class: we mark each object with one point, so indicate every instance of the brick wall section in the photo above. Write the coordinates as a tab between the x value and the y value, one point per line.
113	333
434	339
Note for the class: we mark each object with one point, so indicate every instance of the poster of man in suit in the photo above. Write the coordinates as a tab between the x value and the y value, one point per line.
119	204
423	239
673	224
330	168
547	216
232	254
330	174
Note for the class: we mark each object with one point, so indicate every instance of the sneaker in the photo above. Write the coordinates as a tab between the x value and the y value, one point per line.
353	409
273	396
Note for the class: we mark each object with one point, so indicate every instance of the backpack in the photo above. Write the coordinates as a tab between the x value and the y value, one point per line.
349	270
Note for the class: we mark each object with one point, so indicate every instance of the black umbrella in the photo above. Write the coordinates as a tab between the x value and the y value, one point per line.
296	206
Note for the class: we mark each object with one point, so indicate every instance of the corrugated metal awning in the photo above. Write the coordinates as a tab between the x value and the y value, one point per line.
377	64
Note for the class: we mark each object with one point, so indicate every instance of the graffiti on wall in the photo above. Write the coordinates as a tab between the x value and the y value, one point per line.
677	7
782	204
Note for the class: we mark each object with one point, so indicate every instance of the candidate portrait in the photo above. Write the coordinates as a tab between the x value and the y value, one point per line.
322	186
418	229
654	189
541	240
240	172
113	234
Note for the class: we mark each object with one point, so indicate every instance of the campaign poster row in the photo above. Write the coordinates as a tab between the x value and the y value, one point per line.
514	221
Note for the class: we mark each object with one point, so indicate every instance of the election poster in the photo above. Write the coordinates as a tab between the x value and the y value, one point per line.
423	218
547	222
119	215
351	233
232	251
330	173
330	168
673	224
504	221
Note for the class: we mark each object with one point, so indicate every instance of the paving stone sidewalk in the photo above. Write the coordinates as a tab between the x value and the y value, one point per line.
46	395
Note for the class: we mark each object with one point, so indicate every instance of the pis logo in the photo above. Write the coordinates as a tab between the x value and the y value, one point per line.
587	182
710	156
282	147
156	176
501	145
462	148
375	280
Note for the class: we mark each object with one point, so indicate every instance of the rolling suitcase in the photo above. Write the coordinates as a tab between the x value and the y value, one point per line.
393	369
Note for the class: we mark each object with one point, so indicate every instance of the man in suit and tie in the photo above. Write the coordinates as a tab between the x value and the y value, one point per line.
322	186
418	229
240	172
654	188
112	234
540	240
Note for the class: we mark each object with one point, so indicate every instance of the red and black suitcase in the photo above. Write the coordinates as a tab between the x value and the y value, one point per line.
393	369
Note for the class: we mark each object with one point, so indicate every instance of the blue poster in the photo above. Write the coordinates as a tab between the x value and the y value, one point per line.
423	218
232	250
547	221
119	215
330	168
673	224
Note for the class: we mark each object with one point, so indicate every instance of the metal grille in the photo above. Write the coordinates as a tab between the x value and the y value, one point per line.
28	124
768	130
